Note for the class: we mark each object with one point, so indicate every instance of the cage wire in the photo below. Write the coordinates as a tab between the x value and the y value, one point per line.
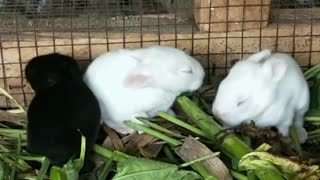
215	32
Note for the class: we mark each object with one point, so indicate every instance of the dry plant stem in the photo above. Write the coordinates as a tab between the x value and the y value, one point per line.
192	151
182	124
4	92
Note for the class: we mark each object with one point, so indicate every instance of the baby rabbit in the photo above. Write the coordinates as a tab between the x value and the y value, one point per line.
141	82
267	88
62	105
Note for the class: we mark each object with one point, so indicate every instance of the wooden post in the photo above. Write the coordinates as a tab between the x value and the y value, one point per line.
231	15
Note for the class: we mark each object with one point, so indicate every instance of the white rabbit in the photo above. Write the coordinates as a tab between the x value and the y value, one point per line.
267	88
141	82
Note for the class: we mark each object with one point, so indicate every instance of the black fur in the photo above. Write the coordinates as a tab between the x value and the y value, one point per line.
62	104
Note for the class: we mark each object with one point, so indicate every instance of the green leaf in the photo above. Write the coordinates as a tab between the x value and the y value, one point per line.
65	173
264	170
268	166
146	169
57	174
267	175
70	171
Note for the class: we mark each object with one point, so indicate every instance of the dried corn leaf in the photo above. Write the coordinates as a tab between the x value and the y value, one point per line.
143	144
12	118
193	149
151	150
107	143
116	141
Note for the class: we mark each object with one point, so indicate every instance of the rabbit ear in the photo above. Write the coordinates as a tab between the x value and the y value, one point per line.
260	56
274	69
137	80
139	77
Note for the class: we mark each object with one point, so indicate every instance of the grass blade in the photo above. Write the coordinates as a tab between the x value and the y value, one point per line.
203	172
107	168
237	175
312	72
57	174
169	140
182	124
200	159
44	168
108	154
159	128
78	163
2	173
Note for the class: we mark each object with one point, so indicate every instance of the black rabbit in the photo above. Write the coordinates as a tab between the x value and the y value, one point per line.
63	105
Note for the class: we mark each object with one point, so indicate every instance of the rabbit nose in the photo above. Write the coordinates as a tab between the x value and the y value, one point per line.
219	114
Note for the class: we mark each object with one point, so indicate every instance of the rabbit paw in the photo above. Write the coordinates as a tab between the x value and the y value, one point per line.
171	112
120	128
302	134
125	130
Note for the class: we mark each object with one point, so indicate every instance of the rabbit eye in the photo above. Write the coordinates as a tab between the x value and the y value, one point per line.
188	71
241	102
52	78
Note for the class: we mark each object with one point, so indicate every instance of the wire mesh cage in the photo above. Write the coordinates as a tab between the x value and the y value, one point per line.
215	32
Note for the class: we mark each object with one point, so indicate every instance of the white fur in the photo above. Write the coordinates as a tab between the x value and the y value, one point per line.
141	82
269	89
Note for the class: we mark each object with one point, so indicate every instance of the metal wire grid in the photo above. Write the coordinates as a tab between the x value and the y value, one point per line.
60	7
22	31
